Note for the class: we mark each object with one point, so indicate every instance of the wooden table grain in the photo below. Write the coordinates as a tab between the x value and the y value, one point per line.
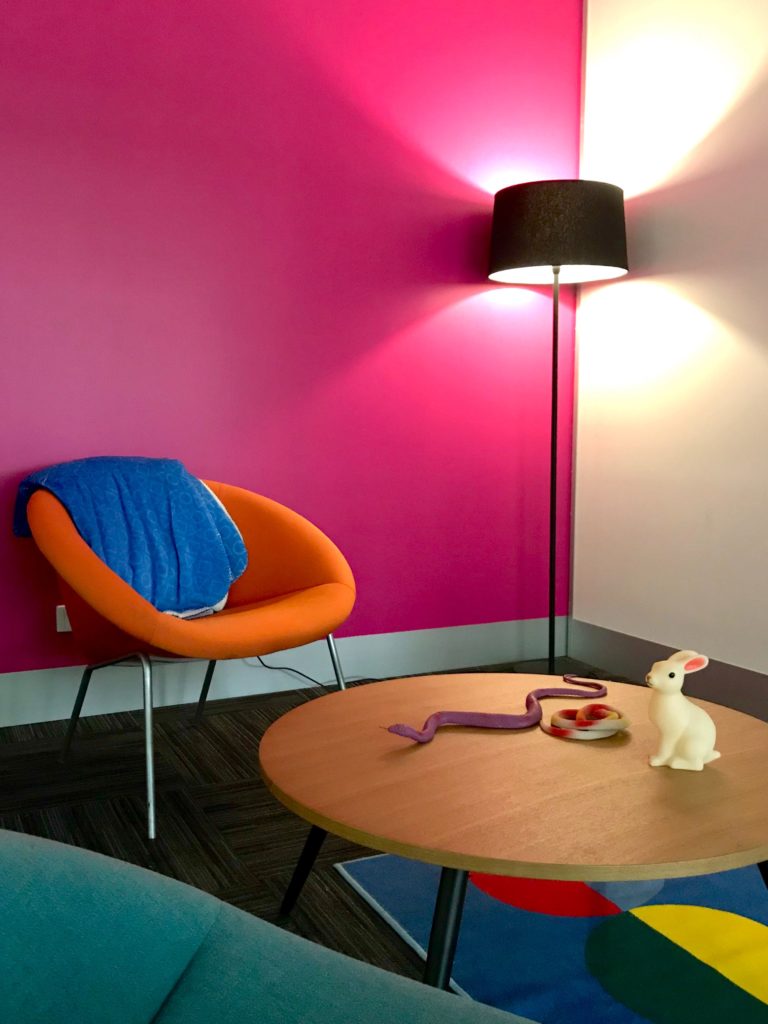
519	802
513	802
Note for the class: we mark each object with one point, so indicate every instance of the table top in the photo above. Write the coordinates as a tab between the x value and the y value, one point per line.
519	802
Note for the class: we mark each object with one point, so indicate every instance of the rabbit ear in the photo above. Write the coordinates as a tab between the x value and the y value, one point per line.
698	661
683	655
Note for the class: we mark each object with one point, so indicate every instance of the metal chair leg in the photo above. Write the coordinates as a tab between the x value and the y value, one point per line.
204	692
146	672
86	678
336	663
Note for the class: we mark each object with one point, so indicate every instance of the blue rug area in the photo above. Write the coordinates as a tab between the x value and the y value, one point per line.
685	951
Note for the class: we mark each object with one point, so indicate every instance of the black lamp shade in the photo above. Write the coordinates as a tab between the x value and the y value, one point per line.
572	224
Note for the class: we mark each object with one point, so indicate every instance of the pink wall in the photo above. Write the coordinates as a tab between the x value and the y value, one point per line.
252	236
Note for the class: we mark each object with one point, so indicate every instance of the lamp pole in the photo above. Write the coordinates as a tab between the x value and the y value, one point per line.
553	470
571	225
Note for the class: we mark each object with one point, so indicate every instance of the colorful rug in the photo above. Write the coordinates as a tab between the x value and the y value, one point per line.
685	951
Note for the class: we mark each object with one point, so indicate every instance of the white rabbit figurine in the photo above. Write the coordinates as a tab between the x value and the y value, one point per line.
687	732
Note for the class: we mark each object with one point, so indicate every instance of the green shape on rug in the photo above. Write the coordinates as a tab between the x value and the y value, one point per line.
664	982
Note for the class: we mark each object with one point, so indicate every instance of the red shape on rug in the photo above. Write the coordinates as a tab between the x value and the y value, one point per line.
559	899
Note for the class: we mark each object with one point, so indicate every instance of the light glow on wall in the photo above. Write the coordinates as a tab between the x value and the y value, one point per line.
673	370
474	105
660	79
657	87
504	298
493	175
637	335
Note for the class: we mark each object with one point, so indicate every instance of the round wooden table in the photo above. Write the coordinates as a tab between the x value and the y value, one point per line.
509	802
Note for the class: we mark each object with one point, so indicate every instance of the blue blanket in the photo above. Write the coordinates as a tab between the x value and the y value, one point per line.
153	523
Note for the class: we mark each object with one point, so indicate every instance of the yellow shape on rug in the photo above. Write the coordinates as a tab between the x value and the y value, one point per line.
732	945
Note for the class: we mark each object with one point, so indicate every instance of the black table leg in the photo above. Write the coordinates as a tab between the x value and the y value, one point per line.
303	867
763	865
445	927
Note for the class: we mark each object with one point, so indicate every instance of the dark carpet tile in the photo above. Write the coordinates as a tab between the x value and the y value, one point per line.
53	732
258	829
262	833
115	827
219	828
100	768
188	849
221	749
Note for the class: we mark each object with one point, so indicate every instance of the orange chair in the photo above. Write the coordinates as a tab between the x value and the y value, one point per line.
296	588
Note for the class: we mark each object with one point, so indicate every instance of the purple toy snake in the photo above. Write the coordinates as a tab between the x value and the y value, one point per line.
488	720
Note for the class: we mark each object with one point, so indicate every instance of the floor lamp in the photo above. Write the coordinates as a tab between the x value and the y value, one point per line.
558	232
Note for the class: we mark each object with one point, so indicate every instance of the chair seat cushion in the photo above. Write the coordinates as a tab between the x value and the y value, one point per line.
273	624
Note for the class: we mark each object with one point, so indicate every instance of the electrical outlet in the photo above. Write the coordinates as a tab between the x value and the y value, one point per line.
63	625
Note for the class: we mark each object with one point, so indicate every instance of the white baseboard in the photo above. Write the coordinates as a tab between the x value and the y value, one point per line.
49	694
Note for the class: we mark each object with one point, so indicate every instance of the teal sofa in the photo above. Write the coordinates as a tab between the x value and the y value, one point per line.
89	940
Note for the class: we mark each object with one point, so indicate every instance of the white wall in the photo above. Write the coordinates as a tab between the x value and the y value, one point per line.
671	495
